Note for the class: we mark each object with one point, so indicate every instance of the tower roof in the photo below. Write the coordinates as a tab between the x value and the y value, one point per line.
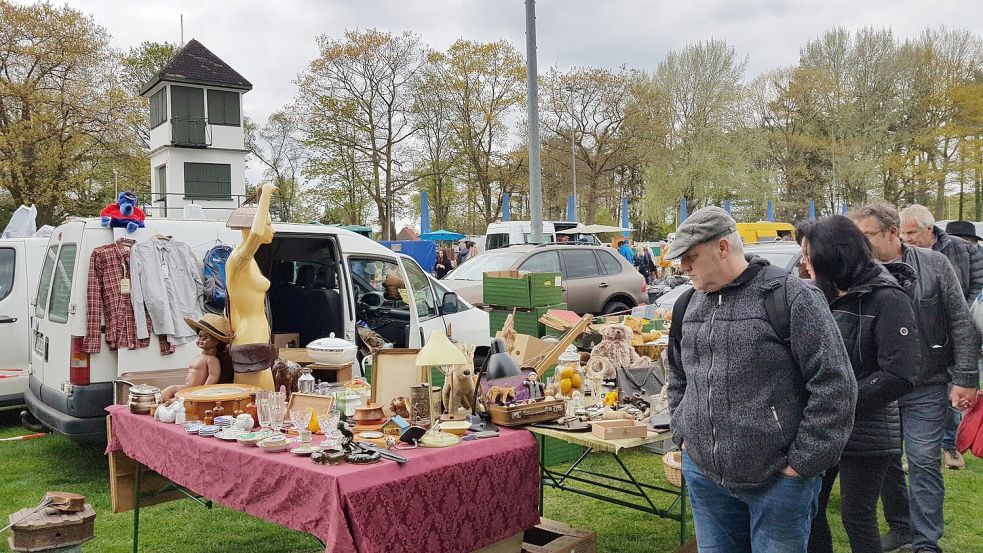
195	64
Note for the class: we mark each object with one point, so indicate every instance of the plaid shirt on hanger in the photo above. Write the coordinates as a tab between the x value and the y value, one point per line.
105	301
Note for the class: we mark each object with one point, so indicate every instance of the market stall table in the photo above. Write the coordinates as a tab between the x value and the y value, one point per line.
455	499
578	480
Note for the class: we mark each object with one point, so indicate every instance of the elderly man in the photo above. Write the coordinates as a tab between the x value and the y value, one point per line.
761	409
950	346
918	229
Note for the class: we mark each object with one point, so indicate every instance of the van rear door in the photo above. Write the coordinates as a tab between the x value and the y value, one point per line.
39	340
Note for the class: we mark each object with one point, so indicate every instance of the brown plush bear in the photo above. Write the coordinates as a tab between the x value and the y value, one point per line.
615	348
463	385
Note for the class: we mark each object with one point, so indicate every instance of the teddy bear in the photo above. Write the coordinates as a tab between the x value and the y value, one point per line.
463	386
124	213
615	350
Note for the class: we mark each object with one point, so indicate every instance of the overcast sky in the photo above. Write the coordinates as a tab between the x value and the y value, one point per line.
271	42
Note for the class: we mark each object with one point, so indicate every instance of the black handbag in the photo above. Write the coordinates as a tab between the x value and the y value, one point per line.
640	382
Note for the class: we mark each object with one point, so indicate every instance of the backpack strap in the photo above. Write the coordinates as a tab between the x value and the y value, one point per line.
676	328
776	302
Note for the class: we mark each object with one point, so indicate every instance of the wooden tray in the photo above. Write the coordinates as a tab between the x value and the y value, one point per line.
619	429
198	399
519	415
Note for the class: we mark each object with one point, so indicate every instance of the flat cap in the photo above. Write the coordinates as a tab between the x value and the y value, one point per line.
703	225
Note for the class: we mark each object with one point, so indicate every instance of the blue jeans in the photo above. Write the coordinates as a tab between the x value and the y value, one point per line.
772	518
951	426
924	415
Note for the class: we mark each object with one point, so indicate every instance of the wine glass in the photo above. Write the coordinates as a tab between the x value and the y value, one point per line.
277	410
328	421
263	409
301	419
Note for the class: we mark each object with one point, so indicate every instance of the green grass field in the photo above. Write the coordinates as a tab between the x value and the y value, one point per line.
31	467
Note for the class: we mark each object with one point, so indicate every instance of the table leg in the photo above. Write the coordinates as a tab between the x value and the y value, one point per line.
136	509
542	472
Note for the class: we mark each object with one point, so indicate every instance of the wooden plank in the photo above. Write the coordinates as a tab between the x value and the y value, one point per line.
122	480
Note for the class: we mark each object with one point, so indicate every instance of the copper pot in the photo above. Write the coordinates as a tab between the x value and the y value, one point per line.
143	398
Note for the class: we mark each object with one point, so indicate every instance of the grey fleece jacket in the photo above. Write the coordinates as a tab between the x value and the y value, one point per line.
950	343
744	403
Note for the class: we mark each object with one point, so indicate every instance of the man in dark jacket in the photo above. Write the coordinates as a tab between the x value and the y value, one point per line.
918	229
759	419
950	347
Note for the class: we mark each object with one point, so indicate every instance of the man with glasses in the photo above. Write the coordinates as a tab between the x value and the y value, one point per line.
950	346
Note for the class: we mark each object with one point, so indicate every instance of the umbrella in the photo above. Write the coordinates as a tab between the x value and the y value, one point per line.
593	229
441	235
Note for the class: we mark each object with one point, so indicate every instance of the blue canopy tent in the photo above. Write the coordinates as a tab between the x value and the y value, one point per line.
441	236
423	252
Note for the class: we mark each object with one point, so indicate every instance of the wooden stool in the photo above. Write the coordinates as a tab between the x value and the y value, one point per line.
51	529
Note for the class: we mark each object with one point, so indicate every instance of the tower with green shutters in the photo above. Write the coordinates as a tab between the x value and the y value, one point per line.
197	143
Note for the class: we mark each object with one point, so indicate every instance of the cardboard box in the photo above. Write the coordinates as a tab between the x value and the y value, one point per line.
286	339
550	536
618	429
297	355
526	347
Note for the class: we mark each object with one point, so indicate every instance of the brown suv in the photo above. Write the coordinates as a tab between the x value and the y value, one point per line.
596	279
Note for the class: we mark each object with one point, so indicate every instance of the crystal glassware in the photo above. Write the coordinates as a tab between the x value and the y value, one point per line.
277	410
263	409
328	421
301	419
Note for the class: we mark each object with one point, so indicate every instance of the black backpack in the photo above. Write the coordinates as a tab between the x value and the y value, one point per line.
776	305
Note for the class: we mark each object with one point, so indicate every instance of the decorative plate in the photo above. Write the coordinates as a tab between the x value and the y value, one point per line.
303	450
218	392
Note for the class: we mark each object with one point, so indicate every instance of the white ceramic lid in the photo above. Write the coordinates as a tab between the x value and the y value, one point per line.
330	343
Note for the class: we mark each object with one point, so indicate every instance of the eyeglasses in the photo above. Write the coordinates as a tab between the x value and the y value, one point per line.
873	234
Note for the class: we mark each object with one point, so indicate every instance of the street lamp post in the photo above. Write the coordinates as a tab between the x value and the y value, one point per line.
573	152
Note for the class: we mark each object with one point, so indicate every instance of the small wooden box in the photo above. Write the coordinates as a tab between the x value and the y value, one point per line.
618	429
550	536
47	530
519	415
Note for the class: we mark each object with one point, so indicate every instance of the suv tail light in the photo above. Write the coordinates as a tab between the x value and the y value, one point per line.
78	367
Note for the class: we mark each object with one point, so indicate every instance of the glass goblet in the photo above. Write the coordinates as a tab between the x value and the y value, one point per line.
263	409
328	421
277	410
301	419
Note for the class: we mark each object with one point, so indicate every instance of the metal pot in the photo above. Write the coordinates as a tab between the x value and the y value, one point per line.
143	398
332	351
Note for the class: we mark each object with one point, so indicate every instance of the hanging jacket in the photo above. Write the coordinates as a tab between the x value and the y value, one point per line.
880	334
950	342
966	259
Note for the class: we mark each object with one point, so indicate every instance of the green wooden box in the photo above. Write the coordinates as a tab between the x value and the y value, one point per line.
526	320
515	289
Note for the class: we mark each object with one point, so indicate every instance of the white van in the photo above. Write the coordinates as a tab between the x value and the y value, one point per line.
323	280
508	233
20	264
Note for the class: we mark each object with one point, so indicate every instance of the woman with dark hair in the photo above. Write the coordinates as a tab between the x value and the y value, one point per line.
443	266
876	321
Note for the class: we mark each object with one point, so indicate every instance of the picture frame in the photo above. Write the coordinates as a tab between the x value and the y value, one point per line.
394	371
320	404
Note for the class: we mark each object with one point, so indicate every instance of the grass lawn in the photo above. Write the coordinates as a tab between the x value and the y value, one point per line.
29	468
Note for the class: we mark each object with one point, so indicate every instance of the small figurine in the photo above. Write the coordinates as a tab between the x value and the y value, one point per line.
213	335
595	376
123	213
535	386
500	395
400	406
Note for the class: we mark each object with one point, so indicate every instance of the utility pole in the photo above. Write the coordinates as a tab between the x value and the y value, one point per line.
573	153
532	99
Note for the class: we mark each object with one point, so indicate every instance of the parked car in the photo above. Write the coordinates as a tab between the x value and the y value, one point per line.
595	278
511	233
20	264
323	280
782	254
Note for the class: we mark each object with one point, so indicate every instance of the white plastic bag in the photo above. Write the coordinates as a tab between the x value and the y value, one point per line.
23	223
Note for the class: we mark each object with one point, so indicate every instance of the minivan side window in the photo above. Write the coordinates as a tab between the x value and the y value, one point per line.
423	298
495	241
41	301
61	285
610	264
7	260
543	262
579	264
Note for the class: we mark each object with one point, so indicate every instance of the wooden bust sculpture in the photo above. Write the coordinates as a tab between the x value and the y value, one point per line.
251	351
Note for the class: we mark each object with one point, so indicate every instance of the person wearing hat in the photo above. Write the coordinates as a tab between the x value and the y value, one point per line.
214	333
759	419
964	230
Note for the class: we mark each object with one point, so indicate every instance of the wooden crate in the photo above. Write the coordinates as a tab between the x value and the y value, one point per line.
51	529
550	536
526	320
515	289
122	481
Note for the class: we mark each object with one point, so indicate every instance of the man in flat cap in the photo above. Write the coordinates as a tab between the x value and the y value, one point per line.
760	411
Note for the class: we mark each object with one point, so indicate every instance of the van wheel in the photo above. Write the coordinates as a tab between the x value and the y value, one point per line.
29	422
615	307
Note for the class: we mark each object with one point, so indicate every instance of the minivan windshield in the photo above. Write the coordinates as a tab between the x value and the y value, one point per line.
474	268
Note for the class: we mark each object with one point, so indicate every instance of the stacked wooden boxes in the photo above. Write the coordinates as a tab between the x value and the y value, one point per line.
530	295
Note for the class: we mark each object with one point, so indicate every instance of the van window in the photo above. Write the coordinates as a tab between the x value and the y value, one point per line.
544	262
579	264
495	241
610	264
61	286
548	238
380	298
423	298
41	302
7	259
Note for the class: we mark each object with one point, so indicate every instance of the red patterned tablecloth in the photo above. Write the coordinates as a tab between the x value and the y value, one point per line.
449	500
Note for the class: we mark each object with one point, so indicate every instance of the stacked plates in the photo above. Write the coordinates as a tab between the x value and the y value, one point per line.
225	421
193	427
208	431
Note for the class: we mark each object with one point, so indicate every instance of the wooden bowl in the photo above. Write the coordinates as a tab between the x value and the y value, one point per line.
370	412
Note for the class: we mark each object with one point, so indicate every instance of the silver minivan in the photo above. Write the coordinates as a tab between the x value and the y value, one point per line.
20	263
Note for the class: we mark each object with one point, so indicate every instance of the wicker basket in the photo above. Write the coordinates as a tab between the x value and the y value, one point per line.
672	465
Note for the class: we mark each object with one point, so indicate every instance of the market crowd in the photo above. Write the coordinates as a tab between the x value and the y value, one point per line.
779	385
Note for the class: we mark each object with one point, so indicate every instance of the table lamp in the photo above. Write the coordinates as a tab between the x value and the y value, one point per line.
440	352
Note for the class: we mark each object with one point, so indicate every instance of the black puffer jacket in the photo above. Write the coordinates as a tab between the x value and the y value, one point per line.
879	330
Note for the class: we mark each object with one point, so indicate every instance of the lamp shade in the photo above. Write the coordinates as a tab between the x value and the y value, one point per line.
439	350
